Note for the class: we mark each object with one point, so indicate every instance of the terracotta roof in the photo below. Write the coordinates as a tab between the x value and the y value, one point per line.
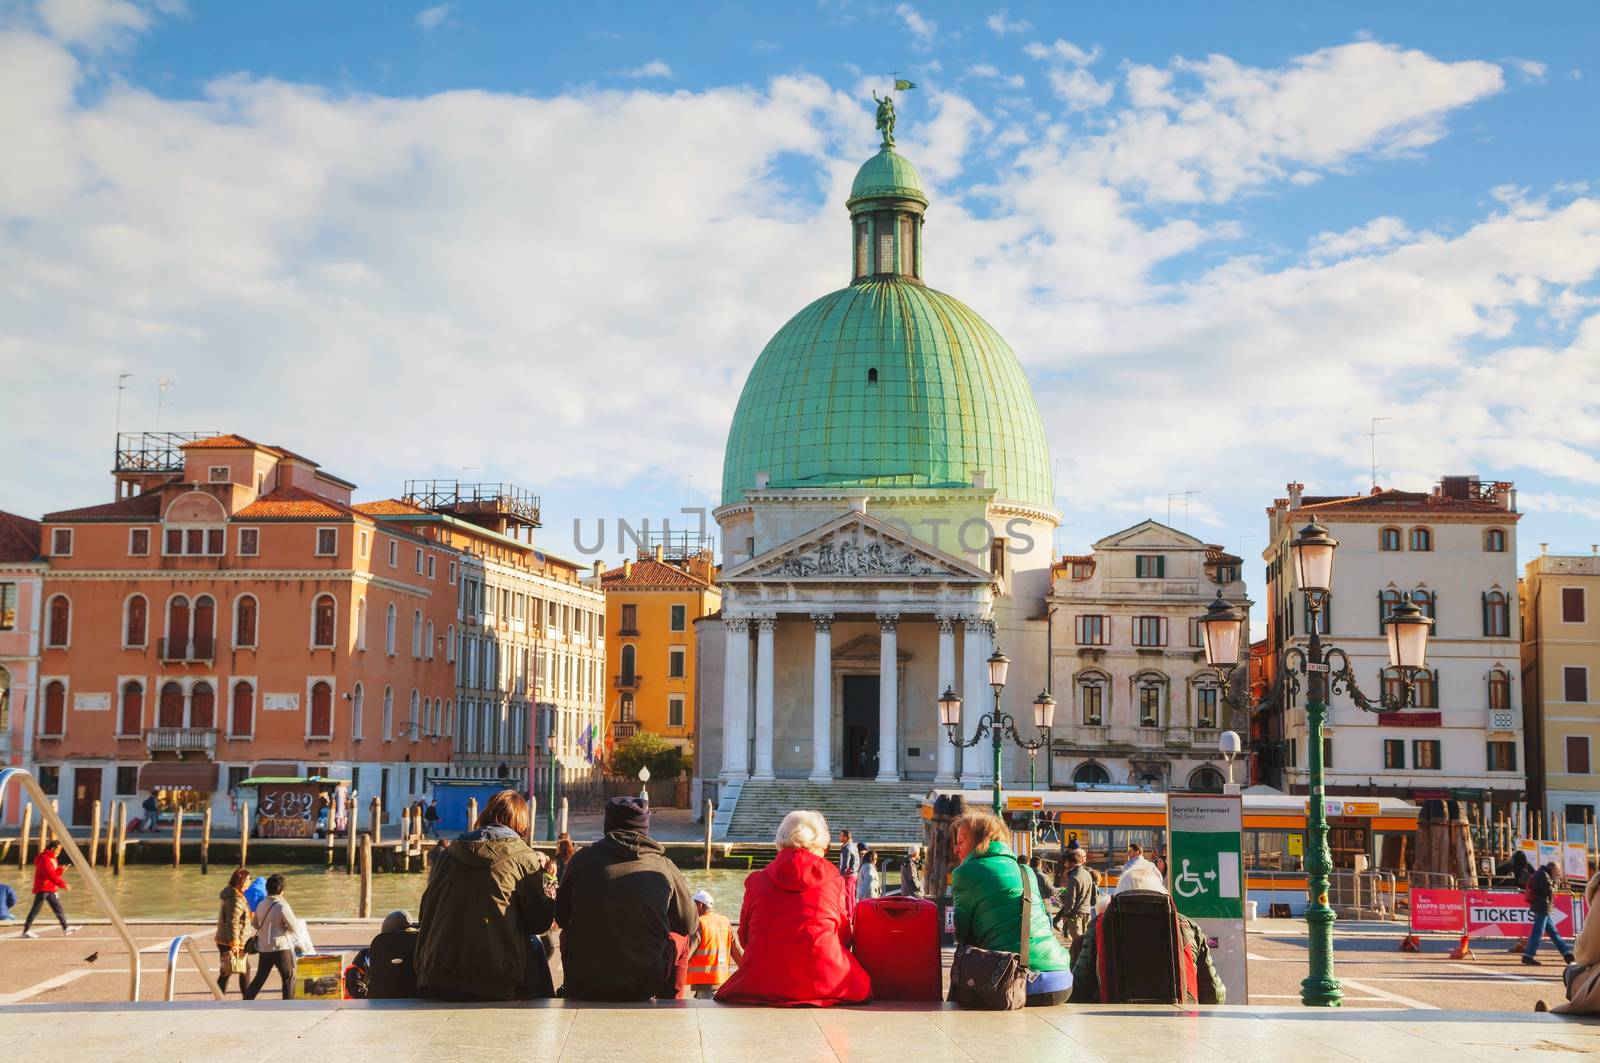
19	539
294	503
1382	500
649	574
1068	559
389	507
138	508
1216	555
223	442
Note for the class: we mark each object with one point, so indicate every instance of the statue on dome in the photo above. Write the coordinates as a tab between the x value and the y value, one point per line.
886	118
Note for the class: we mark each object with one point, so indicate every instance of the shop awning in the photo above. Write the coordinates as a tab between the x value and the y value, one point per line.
179	775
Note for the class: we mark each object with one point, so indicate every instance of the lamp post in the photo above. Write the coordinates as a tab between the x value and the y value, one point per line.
997	725
1327	670
550	793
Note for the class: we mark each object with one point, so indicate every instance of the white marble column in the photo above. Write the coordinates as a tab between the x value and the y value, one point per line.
764	630
976	699
888	698
946	773
822	699
736	699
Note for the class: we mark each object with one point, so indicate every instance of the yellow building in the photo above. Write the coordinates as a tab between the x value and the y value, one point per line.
1561	686
652	604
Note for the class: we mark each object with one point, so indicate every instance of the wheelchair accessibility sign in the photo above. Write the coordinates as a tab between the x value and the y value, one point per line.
1205	866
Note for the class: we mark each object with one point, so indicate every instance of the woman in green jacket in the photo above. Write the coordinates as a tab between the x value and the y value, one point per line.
986	888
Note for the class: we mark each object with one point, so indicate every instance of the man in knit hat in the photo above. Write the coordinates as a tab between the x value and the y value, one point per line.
626	913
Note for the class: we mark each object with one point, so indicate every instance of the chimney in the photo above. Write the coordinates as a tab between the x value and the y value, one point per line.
1296	492
599	569
627	568
661	552
1544	548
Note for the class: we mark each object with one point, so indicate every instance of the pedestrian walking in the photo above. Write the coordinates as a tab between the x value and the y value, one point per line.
48	878
431	819
911	873
1541	888
233	930
277	935
715	952
1077	896
870	884
150	809
8	901
850	869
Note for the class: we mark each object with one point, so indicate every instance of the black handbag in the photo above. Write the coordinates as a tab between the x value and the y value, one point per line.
989	980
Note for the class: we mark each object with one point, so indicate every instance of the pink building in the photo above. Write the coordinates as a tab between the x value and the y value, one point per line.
21	580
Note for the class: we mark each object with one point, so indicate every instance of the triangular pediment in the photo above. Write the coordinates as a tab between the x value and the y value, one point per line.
1149	534
856	546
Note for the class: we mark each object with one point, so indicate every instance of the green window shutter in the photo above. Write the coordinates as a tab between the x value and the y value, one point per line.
1483	597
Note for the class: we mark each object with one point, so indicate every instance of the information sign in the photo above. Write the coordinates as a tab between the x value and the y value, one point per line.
1205	872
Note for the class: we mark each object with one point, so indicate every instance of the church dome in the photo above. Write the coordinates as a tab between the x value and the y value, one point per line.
888	383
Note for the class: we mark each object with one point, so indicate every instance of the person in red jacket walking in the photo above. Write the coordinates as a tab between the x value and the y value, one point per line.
47	879
795	929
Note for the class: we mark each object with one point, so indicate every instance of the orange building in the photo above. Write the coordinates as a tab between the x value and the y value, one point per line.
233	614
652	604
21	580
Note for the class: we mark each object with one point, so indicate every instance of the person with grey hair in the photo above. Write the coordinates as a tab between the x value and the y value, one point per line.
1141	876
795	928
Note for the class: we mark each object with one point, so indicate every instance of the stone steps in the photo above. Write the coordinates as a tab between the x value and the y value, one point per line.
873	812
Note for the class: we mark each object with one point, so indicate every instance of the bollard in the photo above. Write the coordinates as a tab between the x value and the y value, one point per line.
244	833
562	828
94	834
177	837
472	813
24	837
122	837
44	829
405	839
364	900
711	814
111	831
350	838
377	821
331	834
205	843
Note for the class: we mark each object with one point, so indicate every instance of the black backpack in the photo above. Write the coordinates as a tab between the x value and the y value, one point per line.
392	974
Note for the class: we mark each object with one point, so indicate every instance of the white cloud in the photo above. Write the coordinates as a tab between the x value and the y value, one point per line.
990	72
96	25
1062	51
1002	24
1079	89
921	28
655	68
431	18
1530	69
1377	233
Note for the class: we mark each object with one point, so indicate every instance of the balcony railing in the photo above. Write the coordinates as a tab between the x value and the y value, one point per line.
625	682
201	649
624	729
181	740
628	631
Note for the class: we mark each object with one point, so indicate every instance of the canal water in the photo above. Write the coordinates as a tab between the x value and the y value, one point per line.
144	891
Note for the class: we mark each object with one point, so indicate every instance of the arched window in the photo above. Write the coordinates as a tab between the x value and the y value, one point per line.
361	624
1496	614
625	707
242	723
1421	539
416	709
202	706
170	712
1389	539
130	718
1388	602
1150	691
55	709
450	643
872	376
358	704
1499	689
388	630
1091	774
1206	780
321	710
322	623
59	629
1425	690
1207	700
205	627
1092	699
1494	541
1426	600
416	633
627	663
449	707
388	705
427	642
244	622
138	617
177	648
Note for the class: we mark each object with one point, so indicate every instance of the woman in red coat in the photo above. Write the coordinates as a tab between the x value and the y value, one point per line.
794	927
47	879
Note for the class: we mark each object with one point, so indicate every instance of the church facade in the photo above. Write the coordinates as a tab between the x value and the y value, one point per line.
886	523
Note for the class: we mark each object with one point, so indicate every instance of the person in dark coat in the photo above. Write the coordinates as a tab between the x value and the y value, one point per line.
626	913
1541	887
482	910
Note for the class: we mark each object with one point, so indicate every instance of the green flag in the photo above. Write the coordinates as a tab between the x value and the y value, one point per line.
900	84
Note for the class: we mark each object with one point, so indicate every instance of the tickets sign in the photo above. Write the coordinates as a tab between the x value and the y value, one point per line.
1490	913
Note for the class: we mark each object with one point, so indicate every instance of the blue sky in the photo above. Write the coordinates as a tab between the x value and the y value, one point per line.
544	242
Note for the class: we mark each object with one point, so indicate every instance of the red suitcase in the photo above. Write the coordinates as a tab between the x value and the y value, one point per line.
897	941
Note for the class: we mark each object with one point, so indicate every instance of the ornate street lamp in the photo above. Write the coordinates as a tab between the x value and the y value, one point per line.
997	725
550	771
1327	670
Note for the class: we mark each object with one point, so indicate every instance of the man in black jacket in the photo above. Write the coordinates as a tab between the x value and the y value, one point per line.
626	913
1540	889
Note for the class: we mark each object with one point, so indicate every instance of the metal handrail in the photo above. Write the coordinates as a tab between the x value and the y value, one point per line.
187	940
58	827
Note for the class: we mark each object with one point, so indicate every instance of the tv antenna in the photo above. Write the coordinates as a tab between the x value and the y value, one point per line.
163	385
1372	436
122	385
1185	495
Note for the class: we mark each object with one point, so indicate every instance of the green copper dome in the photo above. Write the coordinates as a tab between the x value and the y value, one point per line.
887	174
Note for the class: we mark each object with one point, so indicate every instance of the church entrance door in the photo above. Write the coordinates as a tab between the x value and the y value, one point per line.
860	726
